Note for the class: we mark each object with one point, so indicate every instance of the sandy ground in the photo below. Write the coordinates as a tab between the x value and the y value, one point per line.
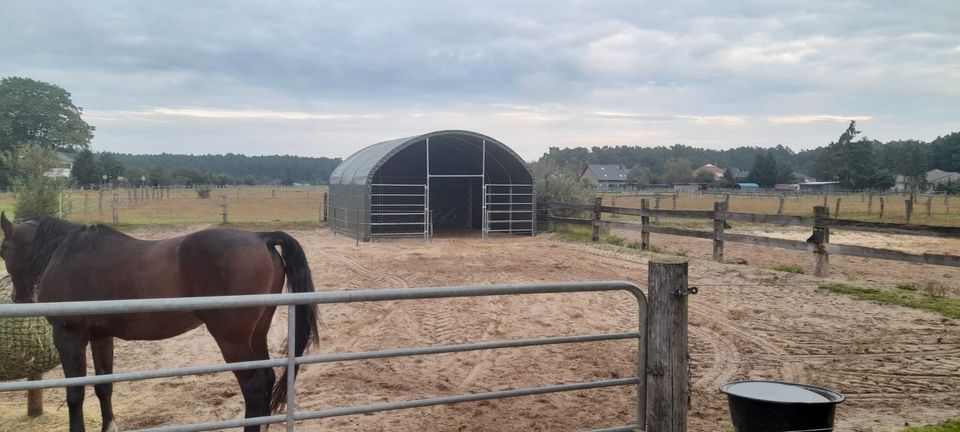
895	365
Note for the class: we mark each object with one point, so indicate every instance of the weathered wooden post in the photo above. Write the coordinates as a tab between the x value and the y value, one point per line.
726	199
825	196
946	201
836	212
929	205
668	358
782	202
116	207
821	240
644	224
597	202
881	207
35	399
226	208
719	222
100	203
323	208
86	197
909	204
870	205
674	207
656	206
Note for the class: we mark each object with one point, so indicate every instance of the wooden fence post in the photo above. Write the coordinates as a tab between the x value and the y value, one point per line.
930	205
116	207
656	205
881	207
946	201
668	358
674	201
100	203
821	238
323	208
870	205
836	212
719	222
35	399
597	202
86	197
644	225
782	202
226	208
825	196
909	204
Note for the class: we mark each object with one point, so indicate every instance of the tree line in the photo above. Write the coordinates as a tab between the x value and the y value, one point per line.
857	163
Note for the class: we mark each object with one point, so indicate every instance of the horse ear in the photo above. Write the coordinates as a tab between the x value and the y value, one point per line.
6	225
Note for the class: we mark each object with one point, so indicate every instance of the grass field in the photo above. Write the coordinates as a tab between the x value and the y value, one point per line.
288	206
942	211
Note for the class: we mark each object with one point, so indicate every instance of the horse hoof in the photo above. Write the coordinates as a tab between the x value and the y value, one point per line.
112	427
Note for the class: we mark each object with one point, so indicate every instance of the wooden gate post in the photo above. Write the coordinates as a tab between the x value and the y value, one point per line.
909	204
644	225
668	358
821	238
719	221
597	202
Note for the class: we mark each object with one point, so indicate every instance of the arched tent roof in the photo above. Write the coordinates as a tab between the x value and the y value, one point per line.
360	167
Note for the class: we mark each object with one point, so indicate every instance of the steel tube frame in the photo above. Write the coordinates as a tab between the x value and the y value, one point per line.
293	299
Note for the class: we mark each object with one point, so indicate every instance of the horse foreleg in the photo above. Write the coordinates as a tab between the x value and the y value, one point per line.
102	349
73	356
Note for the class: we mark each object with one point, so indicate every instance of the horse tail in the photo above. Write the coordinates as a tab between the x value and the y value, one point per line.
298	281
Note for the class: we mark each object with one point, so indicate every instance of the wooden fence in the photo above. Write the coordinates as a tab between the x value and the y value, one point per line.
819	242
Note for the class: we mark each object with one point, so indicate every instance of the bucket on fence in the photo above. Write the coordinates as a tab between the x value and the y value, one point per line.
775	406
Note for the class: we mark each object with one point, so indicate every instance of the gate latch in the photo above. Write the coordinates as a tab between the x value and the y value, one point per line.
689	291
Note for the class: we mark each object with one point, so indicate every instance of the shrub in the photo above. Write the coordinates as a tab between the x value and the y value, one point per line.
38	194
203	192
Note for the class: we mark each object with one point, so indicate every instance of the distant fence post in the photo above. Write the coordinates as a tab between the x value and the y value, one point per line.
782	202
323	208
656	205
930	205
644	224
719	222
668	359
881	207
870	205
821	238
226	208
597	202
946	201
836	212
100	202
116	207
674	201
909	204
825	196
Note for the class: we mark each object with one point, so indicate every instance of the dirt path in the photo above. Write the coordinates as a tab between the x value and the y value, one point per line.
896	365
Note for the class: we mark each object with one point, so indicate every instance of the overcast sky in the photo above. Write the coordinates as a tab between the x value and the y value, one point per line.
327	78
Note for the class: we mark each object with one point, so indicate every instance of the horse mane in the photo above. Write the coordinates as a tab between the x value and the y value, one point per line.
50	235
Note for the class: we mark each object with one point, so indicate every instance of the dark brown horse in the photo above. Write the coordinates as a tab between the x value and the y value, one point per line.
51	260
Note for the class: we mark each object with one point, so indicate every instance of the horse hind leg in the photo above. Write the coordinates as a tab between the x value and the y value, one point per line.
72	347
236	346
102	349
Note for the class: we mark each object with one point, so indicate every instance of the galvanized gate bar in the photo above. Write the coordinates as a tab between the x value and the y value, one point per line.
292	299
304	360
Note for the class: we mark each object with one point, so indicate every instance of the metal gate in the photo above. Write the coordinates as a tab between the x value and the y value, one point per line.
398	210
330	297
509	208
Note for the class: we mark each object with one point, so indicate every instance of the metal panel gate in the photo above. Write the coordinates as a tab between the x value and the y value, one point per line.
291	299
509	208
398	210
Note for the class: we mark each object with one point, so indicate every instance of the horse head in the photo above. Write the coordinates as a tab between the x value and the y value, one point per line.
17	251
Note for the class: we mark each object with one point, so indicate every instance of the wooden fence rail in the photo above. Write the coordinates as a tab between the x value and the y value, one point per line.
818	243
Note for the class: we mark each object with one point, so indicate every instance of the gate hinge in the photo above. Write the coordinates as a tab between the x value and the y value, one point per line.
689	291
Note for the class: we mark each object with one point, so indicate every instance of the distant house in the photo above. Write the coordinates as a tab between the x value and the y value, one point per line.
932	179
786	187
64	167
605	176
710	168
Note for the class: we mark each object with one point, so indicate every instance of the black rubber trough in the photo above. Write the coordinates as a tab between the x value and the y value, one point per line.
775	406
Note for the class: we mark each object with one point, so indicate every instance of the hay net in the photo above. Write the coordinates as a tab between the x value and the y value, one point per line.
26	344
